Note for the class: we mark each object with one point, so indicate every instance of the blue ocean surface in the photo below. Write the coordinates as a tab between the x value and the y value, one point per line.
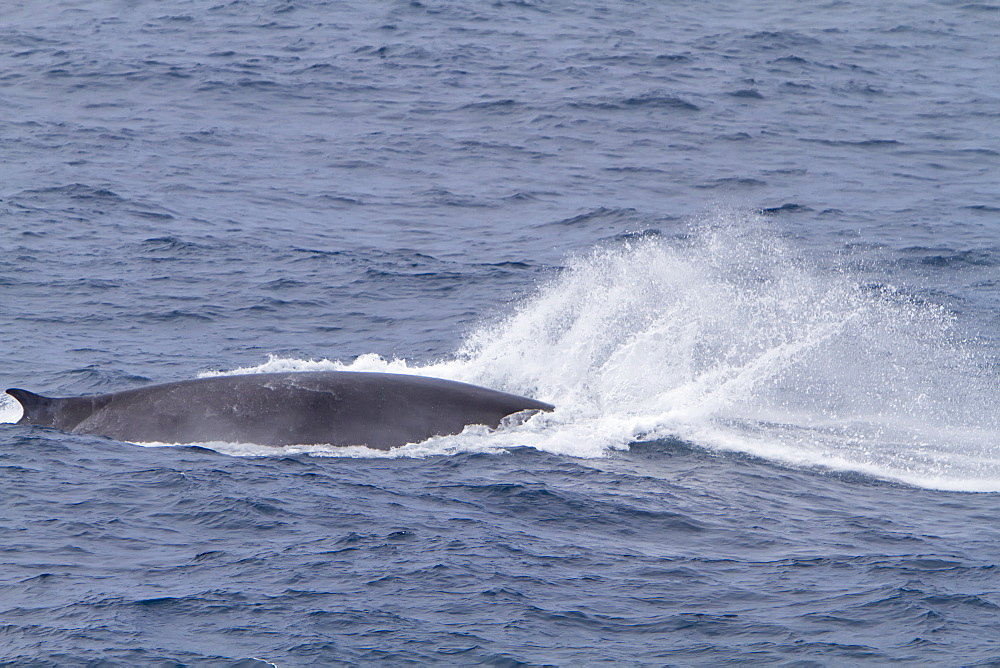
751	253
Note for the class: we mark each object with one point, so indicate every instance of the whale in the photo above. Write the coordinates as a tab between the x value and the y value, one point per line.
338	408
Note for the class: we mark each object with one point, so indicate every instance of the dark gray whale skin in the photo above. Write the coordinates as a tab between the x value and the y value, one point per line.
378	410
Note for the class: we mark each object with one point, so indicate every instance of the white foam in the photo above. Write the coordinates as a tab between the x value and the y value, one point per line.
275	364
10	409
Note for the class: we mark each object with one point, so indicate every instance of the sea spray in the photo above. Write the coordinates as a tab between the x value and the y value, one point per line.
732	339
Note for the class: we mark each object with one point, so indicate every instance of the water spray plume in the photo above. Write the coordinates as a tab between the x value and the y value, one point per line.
731	339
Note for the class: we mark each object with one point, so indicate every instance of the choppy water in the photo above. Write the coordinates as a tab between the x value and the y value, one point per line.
751	254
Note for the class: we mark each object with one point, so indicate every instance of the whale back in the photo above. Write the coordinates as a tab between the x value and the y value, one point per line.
340	408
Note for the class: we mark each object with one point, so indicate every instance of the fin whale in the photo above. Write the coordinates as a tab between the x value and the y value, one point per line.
341	408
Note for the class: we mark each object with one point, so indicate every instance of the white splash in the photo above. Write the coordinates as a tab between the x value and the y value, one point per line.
730	340
10	409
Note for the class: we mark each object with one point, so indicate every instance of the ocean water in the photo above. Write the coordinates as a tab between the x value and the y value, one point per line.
751	253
